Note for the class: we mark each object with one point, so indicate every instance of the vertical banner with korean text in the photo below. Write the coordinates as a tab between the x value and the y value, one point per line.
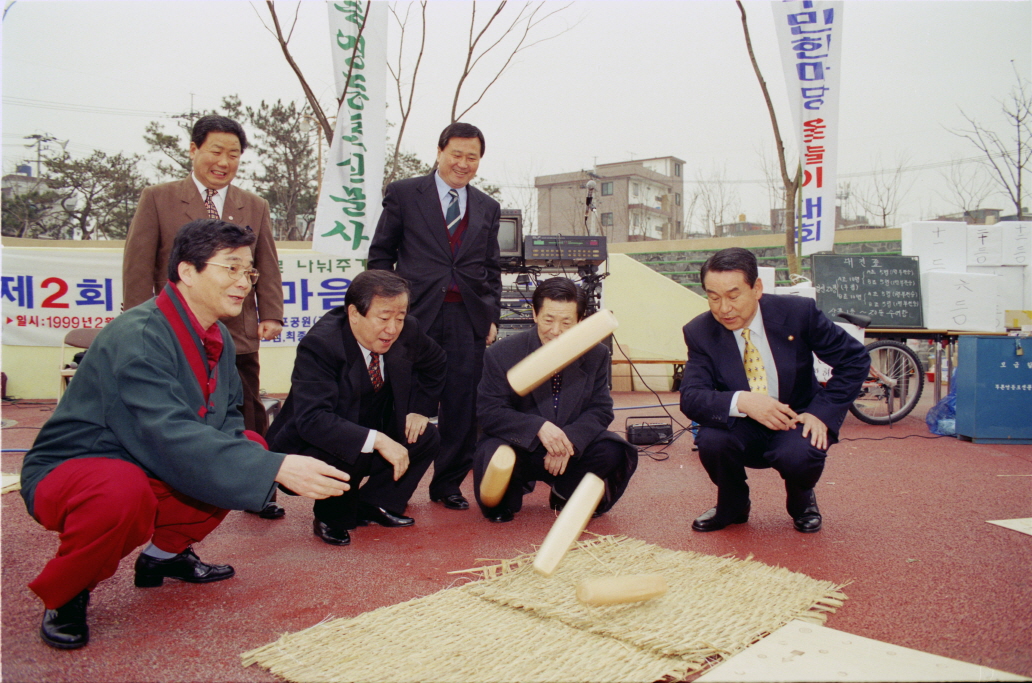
351	193
809	34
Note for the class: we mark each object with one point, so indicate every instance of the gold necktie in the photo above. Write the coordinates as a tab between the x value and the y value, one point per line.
754	369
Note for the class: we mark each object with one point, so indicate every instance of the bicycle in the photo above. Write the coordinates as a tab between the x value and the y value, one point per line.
895	382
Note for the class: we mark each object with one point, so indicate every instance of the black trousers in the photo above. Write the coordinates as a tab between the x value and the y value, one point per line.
725	453
453	332
255	418
380	490
603	457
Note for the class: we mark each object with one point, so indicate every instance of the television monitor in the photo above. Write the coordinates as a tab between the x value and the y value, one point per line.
510	234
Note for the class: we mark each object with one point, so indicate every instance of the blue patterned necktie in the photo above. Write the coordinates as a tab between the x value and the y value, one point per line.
451	216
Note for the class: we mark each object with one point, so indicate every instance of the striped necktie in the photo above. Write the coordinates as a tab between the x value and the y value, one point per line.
209	204
451	216
754	368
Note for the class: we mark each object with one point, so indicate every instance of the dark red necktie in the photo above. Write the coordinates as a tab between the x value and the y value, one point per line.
374	371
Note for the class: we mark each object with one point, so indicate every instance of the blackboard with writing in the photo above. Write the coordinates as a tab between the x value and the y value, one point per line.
887	288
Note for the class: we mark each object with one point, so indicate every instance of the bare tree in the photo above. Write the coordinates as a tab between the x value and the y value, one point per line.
397	73
967	186
484	41
790	182
718	200
504	35
1007	157
882	195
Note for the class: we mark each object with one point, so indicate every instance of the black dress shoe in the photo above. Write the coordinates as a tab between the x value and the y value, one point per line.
802	506
709	521
374	515
557	503
810	521
65	627
454	501
499	515
330	535
270	511
152	572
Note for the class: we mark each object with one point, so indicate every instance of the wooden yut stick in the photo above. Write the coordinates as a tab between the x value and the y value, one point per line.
570	523
496	478
532	371
615	590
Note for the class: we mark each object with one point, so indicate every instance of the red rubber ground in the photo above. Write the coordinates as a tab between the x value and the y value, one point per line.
904	523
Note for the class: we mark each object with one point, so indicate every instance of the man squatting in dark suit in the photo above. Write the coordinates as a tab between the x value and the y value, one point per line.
365	381
558	430
789	423
216	143
441	234
147	444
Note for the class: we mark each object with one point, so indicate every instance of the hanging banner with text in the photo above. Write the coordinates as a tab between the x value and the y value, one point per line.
809	37
349	206
47	291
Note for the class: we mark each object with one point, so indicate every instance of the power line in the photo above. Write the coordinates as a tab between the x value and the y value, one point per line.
83	108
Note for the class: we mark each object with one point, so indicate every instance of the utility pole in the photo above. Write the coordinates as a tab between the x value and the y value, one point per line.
40	140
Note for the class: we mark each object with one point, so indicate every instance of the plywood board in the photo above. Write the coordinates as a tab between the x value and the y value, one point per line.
1022	525
807	652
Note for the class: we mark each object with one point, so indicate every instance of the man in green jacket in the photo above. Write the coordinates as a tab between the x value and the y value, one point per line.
147	444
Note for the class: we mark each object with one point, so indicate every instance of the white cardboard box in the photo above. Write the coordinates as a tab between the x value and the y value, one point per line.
959	301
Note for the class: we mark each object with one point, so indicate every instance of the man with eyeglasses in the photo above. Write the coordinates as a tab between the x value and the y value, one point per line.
147	444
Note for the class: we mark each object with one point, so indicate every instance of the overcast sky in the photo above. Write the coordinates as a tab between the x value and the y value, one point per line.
625	80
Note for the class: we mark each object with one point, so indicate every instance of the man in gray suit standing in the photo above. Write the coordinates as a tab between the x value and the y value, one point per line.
216	143
441	234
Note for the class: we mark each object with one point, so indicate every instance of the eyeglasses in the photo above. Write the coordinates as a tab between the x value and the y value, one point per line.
236	272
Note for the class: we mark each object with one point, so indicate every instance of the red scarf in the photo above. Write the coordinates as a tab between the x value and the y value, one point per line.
194	340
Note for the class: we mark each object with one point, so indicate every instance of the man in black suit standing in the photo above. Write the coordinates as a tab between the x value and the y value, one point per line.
559	430
365	381
750	384
441	234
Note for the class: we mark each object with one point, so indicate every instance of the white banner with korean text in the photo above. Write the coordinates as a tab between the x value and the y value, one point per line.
809	34
351	198
48	291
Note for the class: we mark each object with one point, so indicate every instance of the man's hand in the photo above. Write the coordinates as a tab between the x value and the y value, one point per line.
269	329
556	464
393	452
415	425
492	334
311	478
555	442
766	410
815	429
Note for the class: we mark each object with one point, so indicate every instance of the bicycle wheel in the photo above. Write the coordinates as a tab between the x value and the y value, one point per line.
892	363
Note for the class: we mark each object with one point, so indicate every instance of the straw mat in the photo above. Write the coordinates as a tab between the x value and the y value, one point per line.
513	624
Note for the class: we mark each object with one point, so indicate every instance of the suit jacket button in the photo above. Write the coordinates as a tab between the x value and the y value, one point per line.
444	290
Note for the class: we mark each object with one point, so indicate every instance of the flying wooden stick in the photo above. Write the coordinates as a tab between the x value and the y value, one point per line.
615	590
570	523
496	478
532	371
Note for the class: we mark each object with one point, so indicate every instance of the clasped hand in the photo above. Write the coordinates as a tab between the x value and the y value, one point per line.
774	414
560	448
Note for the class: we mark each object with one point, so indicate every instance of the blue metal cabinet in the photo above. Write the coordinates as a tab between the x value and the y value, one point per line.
994	389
